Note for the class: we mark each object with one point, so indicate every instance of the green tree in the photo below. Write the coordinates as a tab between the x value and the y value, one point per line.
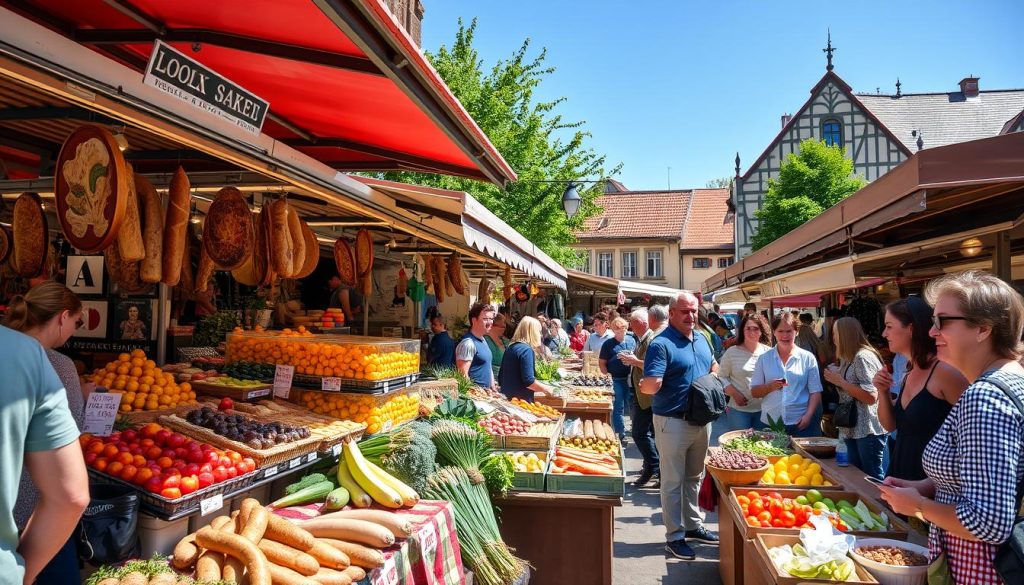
720	183
529	133
809	182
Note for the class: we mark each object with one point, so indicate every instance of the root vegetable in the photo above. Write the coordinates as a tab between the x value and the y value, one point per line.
286	556
186	552
285	532
238	547
358	531
361	556
588	429
398	524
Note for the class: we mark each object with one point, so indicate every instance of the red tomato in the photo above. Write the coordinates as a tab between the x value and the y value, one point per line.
220	473
171	493
235	456
756	507
205	479
753	521
775	495
764	516
743	500
776	523
766	525
250	464
776	508
788	519
189	484
745	510
232	472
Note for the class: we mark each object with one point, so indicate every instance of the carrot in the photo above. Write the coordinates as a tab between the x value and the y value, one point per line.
570	457
360	555
285	532
586	455
584	467
286	556
358	531
398	524
285	576
232	544
328	556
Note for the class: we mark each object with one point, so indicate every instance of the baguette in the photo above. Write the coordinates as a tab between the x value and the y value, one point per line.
359	555
152	229
175	227
298	243
282	253
263	256
129	237
285	532
281	554
187	280
351	530
398	524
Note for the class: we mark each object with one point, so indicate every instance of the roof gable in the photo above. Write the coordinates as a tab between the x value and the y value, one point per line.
637	215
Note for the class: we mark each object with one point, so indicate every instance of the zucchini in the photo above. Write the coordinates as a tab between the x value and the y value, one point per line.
314	493
336	500
305	482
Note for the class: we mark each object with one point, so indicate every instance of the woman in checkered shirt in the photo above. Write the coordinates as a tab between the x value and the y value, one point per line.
975	461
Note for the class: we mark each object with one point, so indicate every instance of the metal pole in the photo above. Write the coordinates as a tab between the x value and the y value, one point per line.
1001	257
161	323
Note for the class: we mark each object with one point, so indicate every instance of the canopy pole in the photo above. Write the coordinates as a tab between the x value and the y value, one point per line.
161	324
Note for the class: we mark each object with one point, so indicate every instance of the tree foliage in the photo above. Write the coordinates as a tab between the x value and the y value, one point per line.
535	140
720	183
809	183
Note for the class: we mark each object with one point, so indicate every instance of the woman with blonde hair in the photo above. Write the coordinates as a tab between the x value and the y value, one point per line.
856	416
974	465
517	376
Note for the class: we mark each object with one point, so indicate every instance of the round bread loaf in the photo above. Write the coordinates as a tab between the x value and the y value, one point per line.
312	252
228	233
364	252
30	235
344	261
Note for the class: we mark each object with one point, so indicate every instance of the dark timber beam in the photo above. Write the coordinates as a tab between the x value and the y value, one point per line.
55	113
416	162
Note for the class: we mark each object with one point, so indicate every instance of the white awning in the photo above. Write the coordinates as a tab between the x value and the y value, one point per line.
631	286
604	284
729	295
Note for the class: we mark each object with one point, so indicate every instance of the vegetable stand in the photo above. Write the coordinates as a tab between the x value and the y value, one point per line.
595	411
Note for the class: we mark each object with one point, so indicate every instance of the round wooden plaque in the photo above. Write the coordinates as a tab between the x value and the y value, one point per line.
91	187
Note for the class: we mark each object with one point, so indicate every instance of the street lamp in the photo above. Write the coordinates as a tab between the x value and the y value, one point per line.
571	200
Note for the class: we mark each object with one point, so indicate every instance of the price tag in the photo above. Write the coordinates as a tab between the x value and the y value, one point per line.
311	458
257	393
211	504
330	384
387	426
336	450
387	574
100	412
428	540
270	472
283	375
294	463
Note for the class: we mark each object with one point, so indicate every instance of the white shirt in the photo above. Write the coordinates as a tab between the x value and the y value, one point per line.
736	368
595	341
802	380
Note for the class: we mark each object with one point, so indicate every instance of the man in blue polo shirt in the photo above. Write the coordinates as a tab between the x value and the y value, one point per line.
673	361
473	355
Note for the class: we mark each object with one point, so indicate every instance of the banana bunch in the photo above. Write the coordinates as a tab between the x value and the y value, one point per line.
524	462
367	483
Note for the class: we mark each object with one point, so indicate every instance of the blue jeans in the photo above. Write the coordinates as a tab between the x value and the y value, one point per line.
866	454
619	405
643	436
739	420
63	568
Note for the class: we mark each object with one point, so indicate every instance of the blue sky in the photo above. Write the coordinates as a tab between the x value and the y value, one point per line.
688	84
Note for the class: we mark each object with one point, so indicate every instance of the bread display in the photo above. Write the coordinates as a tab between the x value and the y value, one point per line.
281	251
152	229
30	235
129	237
312	246
344	261
262	255
90	184
205	271
175	227
228	232
364	252
298	242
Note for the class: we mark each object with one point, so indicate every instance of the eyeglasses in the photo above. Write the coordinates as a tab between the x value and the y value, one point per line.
939	320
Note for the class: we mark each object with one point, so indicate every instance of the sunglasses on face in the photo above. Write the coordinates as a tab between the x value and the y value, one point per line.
939	320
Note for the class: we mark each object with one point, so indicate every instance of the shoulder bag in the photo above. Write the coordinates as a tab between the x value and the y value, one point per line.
846	413
1009	559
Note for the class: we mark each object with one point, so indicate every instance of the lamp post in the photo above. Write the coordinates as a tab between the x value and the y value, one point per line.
571	200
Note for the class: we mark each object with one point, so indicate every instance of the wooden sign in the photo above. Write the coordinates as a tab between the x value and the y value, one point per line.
91	188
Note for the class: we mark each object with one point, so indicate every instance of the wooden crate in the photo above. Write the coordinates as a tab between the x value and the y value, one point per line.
246	394
525	443
763	563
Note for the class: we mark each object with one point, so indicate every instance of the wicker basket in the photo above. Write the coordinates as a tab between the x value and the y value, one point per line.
262	457
141	417
293	415
163	508
726	477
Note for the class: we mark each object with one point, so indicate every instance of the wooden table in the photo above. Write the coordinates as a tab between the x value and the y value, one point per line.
601	412
567	538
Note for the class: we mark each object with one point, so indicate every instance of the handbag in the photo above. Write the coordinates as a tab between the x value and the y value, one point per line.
846	413
1009	561
108	532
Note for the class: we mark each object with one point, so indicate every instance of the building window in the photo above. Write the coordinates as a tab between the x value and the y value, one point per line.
724	262
702	262
604	264
654	264
832	132
629	265
584	263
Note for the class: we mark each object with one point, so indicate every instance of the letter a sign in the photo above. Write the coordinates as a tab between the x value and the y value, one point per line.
85	275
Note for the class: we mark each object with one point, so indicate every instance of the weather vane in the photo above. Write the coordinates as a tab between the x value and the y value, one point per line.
828	51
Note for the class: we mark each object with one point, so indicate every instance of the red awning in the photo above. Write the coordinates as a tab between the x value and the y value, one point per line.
346	84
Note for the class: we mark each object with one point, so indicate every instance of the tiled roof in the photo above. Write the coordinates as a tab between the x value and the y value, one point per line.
638	214
944	118
614	186
709	222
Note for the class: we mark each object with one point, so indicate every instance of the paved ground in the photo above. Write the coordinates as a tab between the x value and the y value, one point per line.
640	557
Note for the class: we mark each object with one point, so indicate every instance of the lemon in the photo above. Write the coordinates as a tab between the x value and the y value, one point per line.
814	467
802	481
817	479
783	478
794	470
827	483
795	458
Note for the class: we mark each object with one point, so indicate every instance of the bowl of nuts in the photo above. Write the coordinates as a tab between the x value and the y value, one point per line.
735	467
892	562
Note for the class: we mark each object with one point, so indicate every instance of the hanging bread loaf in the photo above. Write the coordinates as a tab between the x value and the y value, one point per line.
187	281
131	278
246	273
368	285
344	261
152	214
175	227
5	244
282	254
31	236
129	237
312	251
483	293
364	252
455	274
264	262
205	271
298	242
428	274
439	278
228	232
112	261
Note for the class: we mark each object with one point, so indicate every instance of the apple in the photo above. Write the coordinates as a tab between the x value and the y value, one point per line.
189	484
176	440
190	469
154	484
220	473
226	404
161	437
205	479
180	453
232	472
130	435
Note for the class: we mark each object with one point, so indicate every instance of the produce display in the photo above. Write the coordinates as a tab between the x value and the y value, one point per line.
771	510
795	470
143	385
500	423
229	382
162	462
341	356
577	462
795	561
892	555
463	446
766	443
547	371
209	362
249	371
407	452
537	409
484	394
590	435
325	427
238	428
367	483
379	413
524	462
724	459
593	381
590	396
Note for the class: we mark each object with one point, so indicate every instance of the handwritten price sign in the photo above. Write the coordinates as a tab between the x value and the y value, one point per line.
100	413
283	380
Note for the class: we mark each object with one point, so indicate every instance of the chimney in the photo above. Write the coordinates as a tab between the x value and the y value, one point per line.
969	87
785	119
409	14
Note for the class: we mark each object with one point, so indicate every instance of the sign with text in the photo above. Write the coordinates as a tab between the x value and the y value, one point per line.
330	384
84	275
283	375
176	73
100	413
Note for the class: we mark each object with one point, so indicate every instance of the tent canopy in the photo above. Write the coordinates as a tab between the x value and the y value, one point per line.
604	284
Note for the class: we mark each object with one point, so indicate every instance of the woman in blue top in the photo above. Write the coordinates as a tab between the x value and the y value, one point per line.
517	376
788	380
611	364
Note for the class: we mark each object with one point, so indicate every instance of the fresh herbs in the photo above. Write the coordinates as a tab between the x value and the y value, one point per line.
213	329
547	371
761	443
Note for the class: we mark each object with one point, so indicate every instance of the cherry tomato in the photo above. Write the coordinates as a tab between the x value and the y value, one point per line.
764	516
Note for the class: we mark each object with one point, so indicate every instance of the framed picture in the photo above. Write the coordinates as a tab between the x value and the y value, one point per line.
85	275
94	320
133	320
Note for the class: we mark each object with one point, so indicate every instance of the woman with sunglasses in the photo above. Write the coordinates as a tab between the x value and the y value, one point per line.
50	313
736	370
926	393
975	462
496	340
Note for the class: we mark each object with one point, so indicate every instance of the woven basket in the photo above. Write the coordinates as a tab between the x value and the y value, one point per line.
262	457
727	477
293	415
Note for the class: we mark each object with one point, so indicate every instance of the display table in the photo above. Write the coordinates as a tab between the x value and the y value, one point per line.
599	412
430	557
550	530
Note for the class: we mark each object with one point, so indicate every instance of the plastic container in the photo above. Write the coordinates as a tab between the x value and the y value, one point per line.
160	536
197	520
380	412
892	574
842	456
335	356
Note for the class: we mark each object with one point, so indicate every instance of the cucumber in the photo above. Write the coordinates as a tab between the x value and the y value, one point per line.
314	493
305	482
336	500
